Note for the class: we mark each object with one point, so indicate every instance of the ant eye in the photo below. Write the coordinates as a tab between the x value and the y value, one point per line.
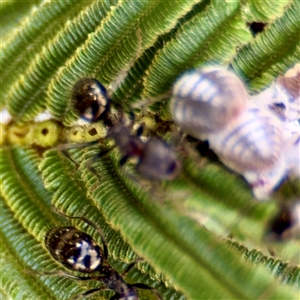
203	101
90	99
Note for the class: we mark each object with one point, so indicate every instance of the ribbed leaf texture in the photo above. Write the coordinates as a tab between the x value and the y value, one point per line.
202	235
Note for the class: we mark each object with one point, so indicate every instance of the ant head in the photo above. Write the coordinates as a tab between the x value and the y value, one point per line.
74	249
90	99
159	161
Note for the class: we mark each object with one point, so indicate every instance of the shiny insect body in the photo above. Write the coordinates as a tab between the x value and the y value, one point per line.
156	159
77	251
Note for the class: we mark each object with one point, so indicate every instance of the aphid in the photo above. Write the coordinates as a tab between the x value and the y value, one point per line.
205	100
286	223
156	159
77	251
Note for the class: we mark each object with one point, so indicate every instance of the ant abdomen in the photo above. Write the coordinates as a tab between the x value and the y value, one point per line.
77	251
74	249
205	100
159	161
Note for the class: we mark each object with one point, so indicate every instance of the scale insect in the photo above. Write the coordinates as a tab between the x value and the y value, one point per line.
77	251
156	159
212	104
204	101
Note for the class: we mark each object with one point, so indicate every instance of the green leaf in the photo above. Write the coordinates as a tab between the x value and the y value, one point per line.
180	228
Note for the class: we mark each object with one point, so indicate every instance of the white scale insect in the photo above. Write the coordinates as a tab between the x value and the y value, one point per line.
212	104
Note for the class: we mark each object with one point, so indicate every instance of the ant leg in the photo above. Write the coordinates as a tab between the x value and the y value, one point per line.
64	148
146	287
143	103
123	160
64	274
96	157
130	266
89	292
140	130
116	83
98	229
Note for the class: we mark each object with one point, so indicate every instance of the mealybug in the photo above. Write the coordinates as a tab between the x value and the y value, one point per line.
212	104
205	100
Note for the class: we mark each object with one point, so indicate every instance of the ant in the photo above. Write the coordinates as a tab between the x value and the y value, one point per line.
77	251
156	159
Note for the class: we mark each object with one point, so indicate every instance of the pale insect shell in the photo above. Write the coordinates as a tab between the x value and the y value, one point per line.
205	100
283	96
253	142
264	182
290	83
292	155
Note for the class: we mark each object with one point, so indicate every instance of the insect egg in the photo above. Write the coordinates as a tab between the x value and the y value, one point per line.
204	100
90	99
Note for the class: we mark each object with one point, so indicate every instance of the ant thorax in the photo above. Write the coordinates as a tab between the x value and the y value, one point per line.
129	144
74	249
114	281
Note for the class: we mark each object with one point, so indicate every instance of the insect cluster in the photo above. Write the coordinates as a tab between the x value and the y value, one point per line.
156	159
257	136
77	251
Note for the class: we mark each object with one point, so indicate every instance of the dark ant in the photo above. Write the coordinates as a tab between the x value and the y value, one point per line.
77	251
156	159
286	223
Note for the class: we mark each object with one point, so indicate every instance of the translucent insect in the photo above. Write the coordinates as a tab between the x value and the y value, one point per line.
77	251
205	100
156	159
286	223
